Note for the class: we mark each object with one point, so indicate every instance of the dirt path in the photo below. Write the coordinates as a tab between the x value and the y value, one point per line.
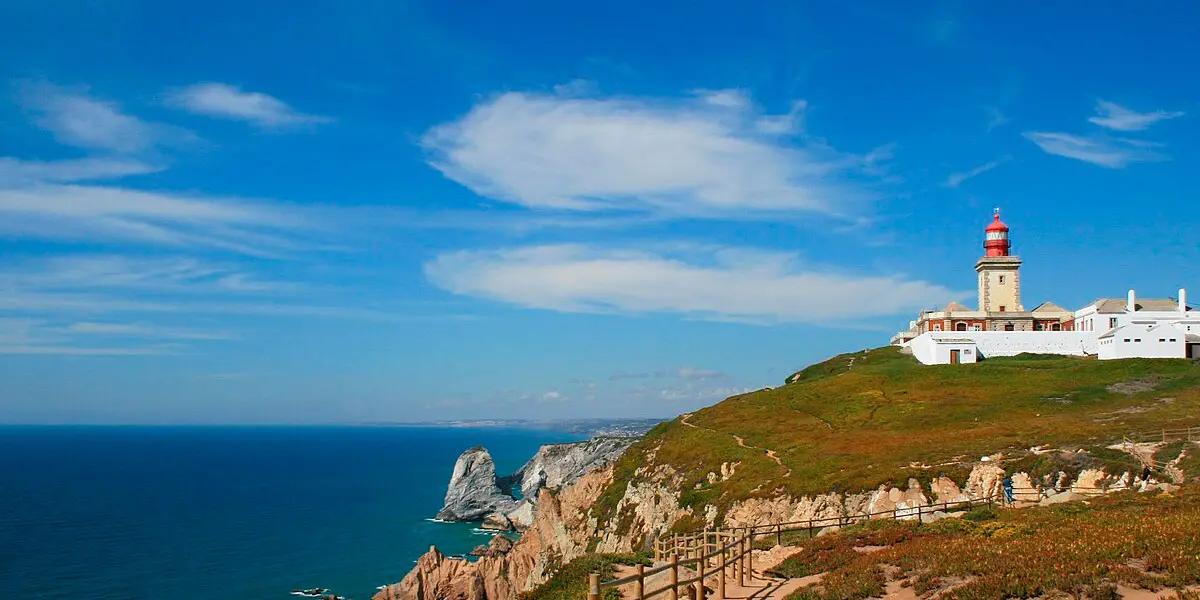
741	442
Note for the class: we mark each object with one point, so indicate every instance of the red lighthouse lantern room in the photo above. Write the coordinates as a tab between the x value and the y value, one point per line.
996	237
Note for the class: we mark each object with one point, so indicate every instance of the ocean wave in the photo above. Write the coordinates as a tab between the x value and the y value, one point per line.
437	520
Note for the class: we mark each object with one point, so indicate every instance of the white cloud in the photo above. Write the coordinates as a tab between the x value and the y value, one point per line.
725	284
1113	153
71	212
79	120
709	154
996	118
79	351
230	102
956	179
1113	116
142	330
20	173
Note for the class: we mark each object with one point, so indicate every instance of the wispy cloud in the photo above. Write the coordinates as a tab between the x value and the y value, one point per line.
80	120
142	330
956	179
722	284
74	212
22	173
1113	153
230	102
1111	115
996	118
712	153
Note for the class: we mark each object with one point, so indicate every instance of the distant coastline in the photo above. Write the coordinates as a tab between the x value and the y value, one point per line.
588	427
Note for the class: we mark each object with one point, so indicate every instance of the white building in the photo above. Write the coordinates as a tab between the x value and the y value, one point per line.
1108	328
1164	340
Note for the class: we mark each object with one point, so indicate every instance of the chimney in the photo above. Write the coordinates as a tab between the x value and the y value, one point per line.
1182	300
1131	306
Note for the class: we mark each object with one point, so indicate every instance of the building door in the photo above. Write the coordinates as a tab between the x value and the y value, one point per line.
954	356
1193	351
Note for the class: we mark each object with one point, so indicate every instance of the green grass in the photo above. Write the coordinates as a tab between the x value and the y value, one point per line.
1128	539
571	580
850	426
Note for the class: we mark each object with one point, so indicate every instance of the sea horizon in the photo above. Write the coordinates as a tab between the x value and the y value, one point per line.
253	511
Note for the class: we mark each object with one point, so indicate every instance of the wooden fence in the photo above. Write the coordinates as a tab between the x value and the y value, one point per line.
727	554
1181	434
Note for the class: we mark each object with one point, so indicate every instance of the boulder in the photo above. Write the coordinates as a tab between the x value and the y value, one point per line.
479	550
499	545
497	522
522	516
474	492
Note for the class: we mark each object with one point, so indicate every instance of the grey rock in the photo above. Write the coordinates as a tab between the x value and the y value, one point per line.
474	490
556	465
522	516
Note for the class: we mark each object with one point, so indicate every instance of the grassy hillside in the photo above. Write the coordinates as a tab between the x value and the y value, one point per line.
1069	550
859	420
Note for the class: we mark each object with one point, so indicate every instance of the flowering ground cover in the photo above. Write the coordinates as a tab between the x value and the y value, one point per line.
1080	550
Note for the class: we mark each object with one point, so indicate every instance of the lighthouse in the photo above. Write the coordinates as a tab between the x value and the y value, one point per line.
995	237
999	271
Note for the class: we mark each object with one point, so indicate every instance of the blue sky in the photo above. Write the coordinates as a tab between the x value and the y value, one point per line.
333	212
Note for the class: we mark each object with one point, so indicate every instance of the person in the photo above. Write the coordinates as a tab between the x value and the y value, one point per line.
1008	489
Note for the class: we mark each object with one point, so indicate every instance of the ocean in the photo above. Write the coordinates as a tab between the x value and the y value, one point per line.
183	513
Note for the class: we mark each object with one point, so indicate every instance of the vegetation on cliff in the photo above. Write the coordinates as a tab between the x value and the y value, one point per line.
1083	550
876	417
569	582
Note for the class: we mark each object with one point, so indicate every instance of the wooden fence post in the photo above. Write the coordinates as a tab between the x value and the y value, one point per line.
700	581
750	558
724	562
778	534
639	591
674	577
594	586
741	560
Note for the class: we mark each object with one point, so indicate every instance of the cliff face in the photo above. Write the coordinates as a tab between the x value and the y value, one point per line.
560	533
563	528
474	491
556	465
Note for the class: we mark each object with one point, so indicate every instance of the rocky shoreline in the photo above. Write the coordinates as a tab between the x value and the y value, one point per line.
563	528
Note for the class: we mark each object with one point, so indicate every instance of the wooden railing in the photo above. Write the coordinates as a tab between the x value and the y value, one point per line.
727	554
1181	434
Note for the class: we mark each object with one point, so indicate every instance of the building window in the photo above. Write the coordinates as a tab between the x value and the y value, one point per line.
1001	308
1001	280
1112	322
937	327
960	327
1172	339
1137	340
1126	340
1162	340
1038	327
1057	327
1009	326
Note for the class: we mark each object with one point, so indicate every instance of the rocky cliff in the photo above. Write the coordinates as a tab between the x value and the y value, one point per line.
560	533
564	529
476	493
556	465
